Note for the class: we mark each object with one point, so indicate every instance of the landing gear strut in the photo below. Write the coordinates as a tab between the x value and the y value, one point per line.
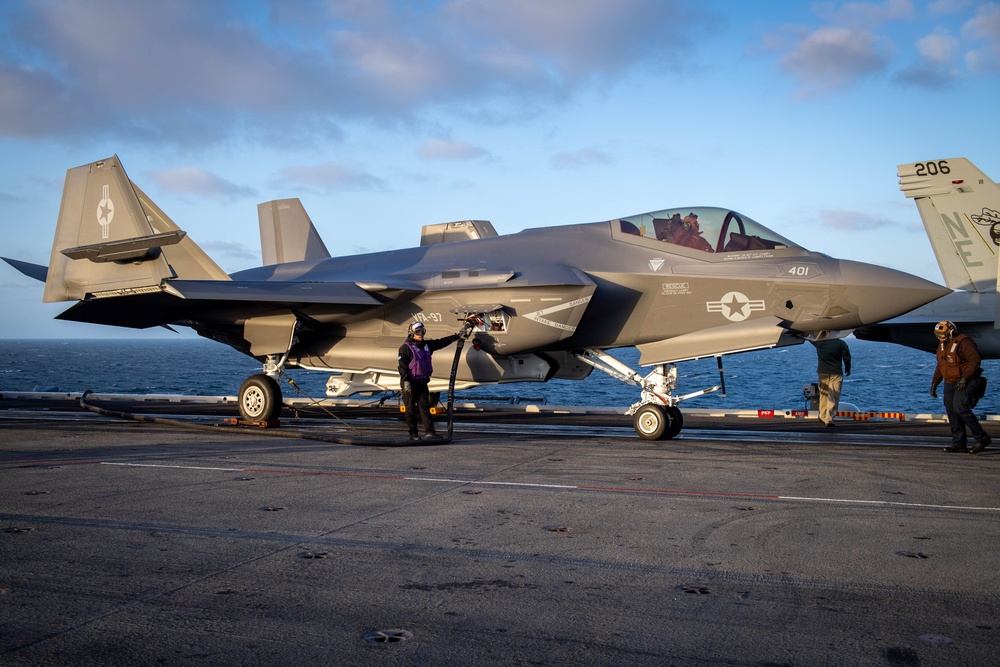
656	415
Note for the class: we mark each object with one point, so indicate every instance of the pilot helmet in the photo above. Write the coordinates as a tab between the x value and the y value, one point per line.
417	328
944	330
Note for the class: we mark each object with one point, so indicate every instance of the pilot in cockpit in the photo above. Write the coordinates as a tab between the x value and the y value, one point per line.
689	234
667	229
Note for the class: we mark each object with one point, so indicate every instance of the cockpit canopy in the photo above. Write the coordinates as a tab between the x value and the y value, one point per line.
705	228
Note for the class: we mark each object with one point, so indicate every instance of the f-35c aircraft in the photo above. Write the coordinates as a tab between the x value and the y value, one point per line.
679	284
960	208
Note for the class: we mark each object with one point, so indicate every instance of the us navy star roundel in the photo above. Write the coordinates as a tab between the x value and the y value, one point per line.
735	306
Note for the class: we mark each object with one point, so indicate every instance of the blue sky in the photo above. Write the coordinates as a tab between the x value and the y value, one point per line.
384	116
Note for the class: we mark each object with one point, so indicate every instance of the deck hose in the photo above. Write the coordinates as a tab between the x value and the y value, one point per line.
370	441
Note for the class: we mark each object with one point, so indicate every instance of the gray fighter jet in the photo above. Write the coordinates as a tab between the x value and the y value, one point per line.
678	284
960	208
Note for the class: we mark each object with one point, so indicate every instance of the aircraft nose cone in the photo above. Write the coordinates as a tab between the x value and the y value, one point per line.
851	295
877	293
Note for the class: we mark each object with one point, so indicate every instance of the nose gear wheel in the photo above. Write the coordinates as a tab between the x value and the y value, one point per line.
657	422
651	422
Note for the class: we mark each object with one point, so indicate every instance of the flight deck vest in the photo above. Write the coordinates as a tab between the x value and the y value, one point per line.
420	365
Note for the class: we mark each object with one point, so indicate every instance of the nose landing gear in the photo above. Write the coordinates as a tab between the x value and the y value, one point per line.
656	415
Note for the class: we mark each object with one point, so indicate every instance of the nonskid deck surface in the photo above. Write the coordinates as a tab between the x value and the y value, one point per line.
743	541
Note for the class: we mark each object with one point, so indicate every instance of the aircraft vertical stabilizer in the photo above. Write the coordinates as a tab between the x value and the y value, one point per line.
287	234
108	244
960	208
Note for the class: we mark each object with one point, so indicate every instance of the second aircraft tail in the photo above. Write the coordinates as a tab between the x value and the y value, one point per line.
960	208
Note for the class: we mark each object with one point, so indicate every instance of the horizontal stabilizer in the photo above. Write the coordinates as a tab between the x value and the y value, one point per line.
126	250
743	336
341	293
36	271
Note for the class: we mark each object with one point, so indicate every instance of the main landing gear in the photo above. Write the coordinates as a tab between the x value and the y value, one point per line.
656	415
260	394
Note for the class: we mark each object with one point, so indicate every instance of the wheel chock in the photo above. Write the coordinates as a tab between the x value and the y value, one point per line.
236	421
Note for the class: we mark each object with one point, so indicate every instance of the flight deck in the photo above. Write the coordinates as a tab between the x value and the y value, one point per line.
526	539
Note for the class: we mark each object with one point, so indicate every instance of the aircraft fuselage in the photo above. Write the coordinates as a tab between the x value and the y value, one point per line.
579	286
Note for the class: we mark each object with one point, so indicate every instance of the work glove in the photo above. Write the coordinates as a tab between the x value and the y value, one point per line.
933	391
960	385
407	387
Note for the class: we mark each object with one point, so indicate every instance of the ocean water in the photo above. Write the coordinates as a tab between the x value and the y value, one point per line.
885	377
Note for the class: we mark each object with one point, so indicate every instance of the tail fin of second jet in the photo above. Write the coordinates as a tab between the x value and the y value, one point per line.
960	208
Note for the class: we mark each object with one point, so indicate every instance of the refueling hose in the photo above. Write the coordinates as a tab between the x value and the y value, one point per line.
370	441
451	383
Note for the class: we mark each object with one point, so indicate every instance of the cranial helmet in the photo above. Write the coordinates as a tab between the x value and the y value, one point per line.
944	329
416	327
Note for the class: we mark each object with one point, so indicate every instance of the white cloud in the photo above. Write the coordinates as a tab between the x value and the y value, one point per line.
194	73
199	182
328	177
23	89
853	221
984	26
864	39
939	47
867	15
448	149
938	64
399	70
580	158
949	6
577	38
829	59
229	250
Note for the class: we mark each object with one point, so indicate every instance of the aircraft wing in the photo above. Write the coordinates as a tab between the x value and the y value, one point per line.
36	271
743	336
209	300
